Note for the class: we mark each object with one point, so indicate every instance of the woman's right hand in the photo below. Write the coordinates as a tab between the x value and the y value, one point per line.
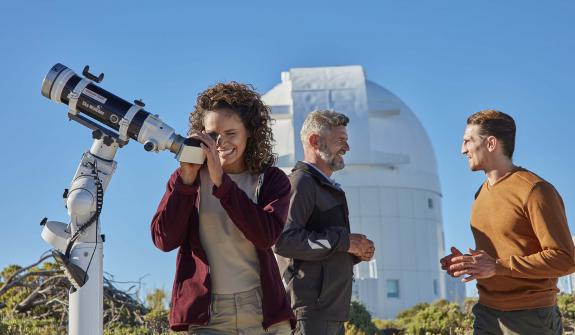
189	172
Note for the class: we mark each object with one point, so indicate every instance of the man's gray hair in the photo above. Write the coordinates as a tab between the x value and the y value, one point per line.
321	122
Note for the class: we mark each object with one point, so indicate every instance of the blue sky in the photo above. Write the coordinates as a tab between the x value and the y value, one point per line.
445	59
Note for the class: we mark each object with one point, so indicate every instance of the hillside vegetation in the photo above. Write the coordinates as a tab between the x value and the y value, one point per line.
33	301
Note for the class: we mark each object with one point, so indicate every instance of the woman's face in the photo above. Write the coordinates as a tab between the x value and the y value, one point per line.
232	139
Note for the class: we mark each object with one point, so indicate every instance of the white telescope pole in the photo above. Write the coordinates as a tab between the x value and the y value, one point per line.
85	313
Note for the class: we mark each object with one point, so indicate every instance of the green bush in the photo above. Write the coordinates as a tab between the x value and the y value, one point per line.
566	303
387	326
440	317
360	322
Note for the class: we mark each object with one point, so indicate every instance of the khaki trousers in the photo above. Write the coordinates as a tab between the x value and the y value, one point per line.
239	313
537	321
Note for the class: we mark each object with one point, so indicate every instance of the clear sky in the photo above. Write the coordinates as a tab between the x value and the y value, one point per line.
445	59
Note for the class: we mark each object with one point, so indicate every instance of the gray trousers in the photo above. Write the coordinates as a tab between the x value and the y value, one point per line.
536	321
319	327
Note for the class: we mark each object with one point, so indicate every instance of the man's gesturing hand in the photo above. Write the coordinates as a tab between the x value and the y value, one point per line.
477	265
447	260
361	246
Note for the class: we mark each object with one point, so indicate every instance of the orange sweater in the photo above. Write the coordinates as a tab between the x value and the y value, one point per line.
520	221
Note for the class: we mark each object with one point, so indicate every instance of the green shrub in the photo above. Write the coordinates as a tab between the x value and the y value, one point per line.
360	320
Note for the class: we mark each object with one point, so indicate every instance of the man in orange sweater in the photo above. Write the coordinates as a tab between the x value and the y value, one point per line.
522	239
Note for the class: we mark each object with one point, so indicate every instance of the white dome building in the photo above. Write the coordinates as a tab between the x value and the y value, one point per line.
390	180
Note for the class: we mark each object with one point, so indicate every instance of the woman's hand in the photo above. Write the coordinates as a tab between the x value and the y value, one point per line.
212	157
189	171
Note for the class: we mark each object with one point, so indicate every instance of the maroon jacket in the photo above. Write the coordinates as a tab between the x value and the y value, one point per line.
176	224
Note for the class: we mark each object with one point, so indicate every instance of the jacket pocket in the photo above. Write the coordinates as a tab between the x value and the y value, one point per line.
305	285
336	283
324	282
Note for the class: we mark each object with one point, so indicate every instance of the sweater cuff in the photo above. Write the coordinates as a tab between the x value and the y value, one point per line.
502	267
344	242
220	192
181	188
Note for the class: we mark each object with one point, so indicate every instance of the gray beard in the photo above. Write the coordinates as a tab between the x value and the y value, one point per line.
330	159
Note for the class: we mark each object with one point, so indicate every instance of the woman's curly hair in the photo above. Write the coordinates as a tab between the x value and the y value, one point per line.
255	115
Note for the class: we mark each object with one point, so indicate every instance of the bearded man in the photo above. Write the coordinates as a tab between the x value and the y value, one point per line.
317	238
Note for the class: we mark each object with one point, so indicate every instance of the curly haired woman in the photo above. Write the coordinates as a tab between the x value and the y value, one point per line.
224	216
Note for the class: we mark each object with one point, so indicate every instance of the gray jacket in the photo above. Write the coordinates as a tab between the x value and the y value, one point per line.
316	239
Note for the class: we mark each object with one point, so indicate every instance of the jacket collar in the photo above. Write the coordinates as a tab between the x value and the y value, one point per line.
320	177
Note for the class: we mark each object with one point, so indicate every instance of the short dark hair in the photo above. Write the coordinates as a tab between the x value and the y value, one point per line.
498	124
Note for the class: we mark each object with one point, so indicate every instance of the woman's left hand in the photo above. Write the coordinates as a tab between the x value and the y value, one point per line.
212	157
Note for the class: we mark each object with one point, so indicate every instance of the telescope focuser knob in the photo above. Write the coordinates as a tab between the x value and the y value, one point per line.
108	140
86	73
139	102
97	134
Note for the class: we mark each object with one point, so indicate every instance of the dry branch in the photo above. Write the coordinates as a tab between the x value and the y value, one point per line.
46	295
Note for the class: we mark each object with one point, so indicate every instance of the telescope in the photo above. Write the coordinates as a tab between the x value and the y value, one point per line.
78	245
129	120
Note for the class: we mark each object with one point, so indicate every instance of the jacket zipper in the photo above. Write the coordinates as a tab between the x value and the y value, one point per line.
209	298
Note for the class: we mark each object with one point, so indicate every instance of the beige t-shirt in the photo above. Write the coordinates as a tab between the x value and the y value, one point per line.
234	265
